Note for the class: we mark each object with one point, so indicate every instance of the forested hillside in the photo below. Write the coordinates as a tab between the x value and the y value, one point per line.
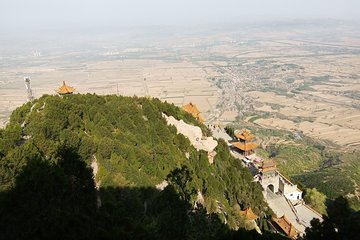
47	189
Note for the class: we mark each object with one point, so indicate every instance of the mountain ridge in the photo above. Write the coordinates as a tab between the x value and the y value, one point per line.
135	150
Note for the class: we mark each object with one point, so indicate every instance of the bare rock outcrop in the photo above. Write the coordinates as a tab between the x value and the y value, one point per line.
161	186
194	134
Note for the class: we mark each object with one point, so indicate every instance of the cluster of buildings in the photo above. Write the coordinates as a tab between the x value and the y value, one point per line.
265	172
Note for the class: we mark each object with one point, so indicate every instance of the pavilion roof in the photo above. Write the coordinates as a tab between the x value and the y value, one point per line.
267	163
245	146
271	169
267	166
245	135
194	111
286	226
249	214
65	89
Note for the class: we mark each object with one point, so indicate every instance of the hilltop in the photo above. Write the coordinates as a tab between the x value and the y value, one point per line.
147	181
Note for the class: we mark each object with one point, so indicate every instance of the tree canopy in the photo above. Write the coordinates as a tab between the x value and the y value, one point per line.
47	189
340	223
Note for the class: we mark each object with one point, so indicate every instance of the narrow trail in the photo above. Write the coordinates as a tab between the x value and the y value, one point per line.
95	167
23	125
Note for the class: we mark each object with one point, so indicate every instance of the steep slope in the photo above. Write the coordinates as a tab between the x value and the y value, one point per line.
55	139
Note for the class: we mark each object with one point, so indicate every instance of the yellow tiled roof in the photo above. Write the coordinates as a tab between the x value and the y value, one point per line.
245	146
245	135
249	214
194	111
267	166
286	226
267	163
65	89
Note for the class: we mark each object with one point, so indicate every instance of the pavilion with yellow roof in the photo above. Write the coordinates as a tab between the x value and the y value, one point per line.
65	89
249	214
284	225
245	143
194	111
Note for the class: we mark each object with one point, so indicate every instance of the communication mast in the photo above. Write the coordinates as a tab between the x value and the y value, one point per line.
30	96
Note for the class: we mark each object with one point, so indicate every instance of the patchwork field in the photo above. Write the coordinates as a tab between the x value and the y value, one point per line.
333	121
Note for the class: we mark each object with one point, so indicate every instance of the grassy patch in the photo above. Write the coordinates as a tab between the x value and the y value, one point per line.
320	78
297	159
333	182
304	87
254	118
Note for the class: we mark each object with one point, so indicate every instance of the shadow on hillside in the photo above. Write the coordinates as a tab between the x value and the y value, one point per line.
59	201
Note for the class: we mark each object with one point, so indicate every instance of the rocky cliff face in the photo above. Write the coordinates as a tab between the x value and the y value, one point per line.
194	134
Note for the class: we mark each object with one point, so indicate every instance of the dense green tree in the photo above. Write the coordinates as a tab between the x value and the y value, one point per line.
49	201
180	178
47	190
316	199
340	223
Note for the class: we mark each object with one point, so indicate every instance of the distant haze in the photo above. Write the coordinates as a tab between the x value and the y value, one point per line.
62	14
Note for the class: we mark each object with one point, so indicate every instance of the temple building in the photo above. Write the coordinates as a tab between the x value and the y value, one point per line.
65	89
267	168
283	225
249	214
245	143
194	111
271	179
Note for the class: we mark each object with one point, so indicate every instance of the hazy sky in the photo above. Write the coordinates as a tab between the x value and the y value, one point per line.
19	14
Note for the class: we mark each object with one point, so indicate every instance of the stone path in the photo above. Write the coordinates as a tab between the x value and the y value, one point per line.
280	206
